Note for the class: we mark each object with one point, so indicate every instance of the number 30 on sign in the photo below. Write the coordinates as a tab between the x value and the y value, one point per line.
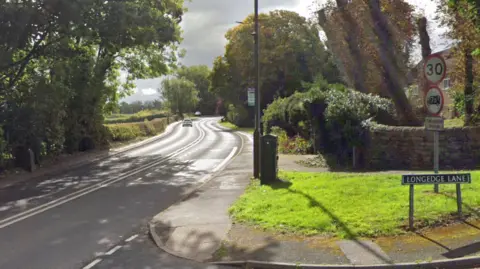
435	69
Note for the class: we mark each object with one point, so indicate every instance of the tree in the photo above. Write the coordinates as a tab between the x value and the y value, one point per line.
372	42
180	95
462	21
60	62
290	52
199	75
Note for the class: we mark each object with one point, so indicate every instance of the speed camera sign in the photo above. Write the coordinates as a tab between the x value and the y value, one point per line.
435	69
434	101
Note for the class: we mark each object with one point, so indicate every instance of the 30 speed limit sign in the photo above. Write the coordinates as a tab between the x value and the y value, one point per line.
435	69
434	101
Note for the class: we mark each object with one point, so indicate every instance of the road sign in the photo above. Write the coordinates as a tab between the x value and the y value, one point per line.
434	123
436	179
434	100
251	96
435	69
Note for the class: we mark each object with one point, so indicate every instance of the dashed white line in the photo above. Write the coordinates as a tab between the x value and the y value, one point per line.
92	264
110	252
225	160
131	238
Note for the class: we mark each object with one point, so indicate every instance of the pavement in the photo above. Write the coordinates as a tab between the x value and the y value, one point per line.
196	227
73	218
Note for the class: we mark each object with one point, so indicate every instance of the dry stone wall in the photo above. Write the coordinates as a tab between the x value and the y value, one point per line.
411	148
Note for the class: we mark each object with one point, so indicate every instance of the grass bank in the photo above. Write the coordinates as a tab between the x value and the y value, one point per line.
123	132
235	127
348	205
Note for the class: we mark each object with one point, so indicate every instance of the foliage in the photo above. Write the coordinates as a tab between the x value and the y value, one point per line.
330	117
294	145
234	127
372	42
137	106
129	131
321	203
199	75
237	115
137	117
291	53
180	95
60	64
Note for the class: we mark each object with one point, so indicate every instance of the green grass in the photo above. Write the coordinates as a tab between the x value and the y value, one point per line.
348	205
457	122
235	127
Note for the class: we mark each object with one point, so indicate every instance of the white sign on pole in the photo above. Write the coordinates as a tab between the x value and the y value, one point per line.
434	100
435	69
434	123
251	96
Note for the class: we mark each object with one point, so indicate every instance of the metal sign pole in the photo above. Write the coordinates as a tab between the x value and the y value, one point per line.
410	212
436	149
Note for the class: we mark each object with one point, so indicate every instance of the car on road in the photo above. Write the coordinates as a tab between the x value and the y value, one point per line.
187	123
198	113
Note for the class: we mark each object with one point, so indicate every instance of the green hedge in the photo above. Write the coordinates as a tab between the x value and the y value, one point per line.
121	132
139	117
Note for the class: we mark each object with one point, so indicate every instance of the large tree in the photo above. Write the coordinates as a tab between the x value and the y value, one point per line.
60	63
290	52
372	41
199	75
180	95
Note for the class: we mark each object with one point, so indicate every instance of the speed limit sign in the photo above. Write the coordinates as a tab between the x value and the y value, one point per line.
435	69
434	101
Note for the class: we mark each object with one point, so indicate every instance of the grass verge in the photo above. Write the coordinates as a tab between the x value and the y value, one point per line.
235	127
349	205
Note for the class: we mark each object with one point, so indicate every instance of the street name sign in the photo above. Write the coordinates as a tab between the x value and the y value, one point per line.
434	123
251	96
435	69
464	178
434	101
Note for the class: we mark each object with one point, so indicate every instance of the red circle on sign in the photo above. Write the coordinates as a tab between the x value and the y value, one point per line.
436	55
442	100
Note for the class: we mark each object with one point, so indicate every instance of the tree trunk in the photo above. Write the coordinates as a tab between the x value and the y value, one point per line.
468	91
387	58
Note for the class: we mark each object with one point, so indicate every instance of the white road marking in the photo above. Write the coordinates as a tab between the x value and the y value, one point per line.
225	160
72	196
110	252
149	174
92	264
131	238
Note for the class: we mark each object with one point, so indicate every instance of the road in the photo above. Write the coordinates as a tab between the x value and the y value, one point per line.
69	220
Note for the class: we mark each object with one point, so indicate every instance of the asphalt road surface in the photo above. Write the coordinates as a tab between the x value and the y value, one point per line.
68	221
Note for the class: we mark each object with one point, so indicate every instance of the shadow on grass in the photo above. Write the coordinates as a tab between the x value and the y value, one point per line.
282	184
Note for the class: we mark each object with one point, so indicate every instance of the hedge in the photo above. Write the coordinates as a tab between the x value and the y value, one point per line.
139	117
129	131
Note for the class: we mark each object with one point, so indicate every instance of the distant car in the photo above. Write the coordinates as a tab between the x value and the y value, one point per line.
198	113
187	123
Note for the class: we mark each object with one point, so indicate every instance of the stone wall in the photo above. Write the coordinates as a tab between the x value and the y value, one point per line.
411	148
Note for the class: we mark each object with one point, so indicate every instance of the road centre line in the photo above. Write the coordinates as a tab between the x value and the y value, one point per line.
131	238
72	196
92	264
113	250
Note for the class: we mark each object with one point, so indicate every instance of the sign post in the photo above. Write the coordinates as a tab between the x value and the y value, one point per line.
434	70
251	96
436	178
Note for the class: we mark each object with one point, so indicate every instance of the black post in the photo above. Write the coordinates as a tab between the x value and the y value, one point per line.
459	201
410	213
257	132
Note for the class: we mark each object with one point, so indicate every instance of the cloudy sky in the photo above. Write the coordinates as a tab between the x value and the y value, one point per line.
206	22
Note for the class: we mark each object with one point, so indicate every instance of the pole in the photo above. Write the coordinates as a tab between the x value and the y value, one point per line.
435	156
459	200
411	207
256	133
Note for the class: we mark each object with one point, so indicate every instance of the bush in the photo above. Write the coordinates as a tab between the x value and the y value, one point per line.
129	131
138	117
237	115
294	145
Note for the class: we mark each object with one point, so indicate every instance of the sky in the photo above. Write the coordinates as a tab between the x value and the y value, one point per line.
206	22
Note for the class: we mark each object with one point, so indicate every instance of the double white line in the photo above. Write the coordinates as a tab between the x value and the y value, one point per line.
72	196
